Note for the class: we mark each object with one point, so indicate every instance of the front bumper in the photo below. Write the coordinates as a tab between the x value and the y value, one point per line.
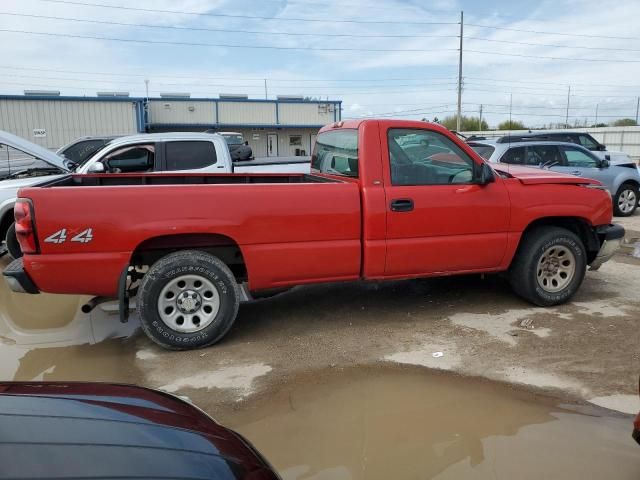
19	280
612	236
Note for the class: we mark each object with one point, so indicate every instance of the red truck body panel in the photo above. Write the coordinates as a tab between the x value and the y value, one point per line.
292	233
310	231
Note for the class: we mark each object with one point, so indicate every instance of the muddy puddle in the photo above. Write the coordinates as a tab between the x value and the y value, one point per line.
47	337
390	423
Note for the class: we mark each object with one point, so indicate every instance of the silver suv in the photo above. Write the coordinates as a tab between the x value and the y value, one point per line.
622	180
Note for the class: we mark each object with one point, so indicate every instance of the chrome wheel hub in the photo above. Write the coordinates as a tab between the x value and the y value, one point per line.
627	201
188	303
556	269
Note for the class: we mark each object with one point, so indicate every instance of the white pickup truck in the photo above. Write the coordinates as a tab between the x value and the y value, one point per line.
153	152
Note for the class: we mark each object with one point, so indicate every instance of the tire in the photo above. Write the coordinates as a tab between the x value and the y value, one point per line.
536	273
625	200
12	242
207	303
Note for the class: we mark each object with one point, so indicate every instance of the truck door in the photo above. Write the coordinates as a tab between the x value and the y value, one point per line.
439	218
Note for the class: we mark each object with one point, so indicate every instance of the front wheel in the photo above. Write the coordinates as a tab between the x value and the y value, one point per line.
188	300
549	267
13	247
625	201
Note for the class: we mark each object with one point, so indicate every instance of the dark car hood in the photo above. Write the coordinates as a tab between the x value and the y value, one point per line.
90	430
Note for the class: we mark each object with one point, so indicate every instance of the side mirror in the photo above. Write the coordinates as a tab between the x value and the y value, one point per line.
486	175
97	167
606	162
607	157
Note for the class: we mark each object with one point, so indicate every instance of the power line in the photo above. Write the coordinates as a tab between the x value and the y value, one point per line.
222	45
222	30
551	94
261	78
604	60
521	114
512	42
183	84
551	33
251	17
612	85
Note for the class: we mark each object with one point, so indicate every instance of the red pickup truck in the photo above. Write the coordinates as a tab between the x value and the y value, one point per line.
386	199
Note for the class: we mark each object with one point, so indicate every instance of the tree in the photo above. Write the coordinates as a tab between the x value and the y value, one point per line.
511	125
598	125
625	122
466	123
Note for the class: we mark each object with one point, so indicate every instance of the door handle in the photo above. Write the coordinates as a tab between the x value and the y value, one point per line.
576	172
402	205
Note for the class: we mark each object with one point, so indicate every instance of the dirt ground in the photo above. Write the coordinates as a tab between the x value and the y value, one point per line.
587	350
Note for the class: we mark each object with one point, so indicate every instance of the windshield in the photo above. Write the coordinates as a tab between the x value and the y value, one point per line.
336	152
80	152
485	151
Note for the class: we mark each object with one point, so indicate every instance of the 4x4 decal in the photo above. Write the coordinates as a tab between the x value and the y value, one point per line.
61	236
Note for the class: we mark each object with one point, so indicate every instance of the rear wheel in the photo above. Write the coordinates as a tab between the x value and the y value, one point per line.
12	242
625	201
188	300
549	267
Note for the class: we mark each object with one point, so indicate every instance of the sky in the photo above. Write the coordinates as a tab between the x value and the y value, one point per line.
392	58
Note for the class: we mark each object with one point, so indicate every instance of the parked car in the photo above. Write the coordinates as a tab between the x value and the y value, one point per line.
157	152
579	138
77	152
44	165
56	430
622	180
371	209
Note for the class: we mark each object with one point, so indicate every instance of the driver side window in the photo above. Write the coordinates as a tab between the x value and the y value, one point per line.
421	157
136	158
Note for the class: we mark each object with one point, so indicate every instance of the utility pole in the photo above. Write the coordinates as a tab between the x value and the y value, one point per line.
637	109
146	88
480	122
566	120
459	120
597	105
266	92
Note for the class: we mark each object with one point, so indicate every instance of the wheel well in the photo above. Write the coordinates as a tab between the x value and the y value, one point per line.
221	246
630	182
579	226
5	223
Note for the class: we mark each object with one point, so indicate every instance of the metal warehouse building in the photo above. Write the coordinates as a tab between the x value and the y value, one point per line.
285	126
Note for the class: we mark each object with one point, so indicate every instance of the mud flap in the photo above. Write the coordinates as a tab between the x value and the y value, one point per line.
123	296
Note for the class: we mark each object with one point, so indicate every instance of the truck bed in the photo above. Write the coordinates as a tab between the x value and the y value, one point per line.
289	229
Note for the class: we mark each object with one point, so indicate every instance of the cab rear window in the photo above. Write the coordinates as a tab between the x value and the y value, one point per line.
336	153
